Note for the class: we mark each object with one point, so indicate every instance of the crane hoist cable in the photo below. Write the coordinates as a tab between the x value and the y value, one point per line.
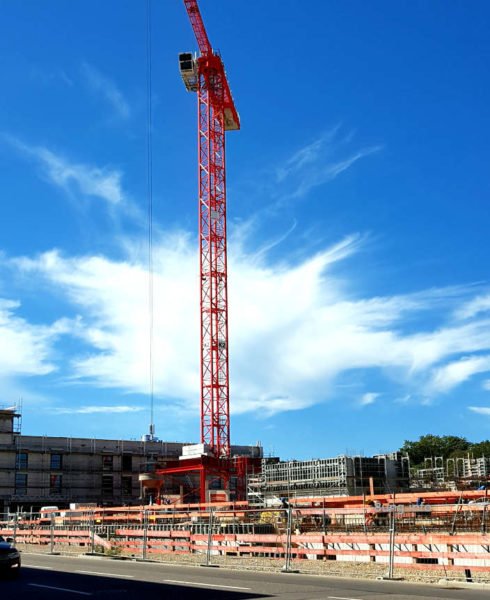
149	190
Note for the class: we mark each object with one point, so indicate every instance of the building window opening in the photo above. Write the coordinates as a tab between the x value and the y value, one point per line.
21	460
107	463
21	483
55	484
127	462
107	485
56	462
127	485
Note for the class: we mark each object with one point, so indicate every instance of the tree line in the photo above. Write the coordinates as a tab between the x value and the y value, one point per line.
447	446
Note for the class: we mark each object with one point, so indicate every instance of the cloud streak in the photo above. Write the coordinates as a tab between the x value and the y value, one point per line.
92	410
474	307
106	88
73	178
480	410
26	349
450	375
368	398
317	163
293	328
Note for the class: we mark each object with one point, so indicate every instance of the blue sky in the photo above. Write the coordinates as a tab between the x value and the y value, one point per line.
358	194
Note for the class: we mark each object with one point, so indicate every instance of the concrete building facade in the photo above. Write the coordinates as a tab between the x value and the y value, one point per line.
37	471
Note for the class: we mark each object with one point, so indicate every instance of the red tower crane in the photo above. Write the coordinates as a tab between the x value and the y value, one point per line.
206	75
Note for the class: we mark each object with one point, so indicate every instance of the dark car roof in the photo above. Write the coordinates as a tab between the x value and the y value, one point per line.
5	546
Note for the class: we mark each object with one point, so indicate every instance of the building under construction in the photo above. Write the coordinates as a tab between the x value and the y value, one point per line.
461	472
339	476
38	470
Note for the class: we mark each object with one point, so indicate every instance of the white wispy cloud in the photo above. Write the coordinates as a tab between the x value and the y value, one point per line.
486	385
368	398
112	297
474	307
307	155
480	410
454	373
91	410
293	328
330	171
317	163
26	349
107	89
50	76
74	178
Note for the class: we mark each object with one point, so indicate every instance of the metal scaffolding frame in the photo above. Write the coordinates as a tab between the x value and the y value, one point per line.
342	475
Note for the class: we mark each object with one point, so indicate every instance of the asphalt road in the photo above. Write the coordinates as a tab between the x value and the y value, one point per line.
58	577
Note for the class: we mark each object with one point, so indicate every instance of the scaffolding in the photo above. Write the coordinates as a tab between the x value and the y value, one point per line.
455	471
339	476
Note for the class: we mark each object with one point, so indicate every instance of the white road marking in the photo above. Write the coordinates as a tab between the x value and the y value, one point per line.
43	554
50	587
212	585
341	598
107	574
36	567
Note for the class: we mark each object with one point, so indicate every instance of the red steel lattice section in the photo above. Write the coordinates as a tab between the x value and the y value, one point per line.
215	423
216	114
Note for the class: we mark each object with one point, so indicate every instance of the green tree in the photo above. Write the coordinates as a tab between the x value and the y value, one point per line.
481	449
453	446
434	445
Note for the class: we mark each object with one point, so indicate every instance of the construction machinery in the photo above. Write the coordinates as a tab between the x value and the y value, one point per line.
211	460
206	75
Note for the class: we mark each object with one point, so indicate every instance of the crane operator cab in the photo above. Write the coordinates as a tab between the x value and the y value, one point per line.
188	71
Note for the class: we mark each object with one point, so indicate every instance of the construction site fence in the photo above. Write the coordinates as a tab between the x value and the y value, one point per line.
455	538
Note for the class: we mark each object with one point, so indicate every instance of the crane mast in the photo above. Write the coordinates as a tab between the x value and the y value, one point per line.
210	469
205	74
